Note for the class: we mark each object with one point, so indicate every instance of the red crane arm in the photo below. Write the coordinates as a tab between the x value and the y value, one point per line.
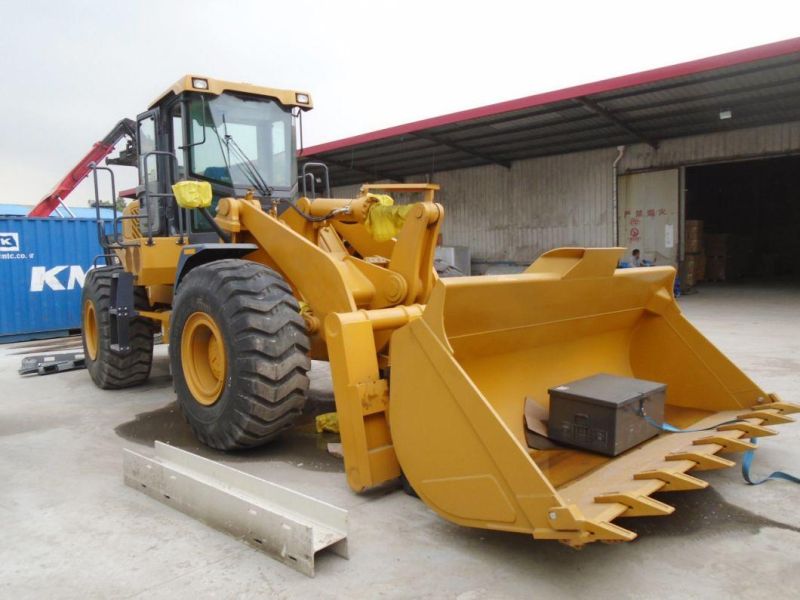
97	153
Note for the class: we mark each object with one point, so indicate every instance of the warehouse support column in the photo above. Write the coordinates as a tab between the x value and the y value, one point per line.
615	197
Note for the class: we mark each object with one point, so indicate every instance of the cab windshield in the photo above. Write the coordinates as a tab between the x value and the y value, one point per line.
241	130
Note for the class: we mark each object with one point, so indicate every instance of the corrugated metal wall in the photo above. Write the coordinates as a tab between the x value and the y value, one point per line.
346	191
730	145
516	214
513	215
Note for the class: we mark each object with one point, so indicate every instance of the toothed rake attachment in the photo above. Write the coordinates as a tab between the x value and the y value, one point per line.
461	373
662	465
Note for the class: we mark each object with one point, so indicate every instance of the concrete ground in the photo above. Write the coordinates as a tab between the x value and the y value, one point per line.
70	528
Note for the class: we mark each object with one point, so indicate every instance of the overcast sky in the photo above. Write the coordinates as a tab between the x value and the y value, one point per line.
71	69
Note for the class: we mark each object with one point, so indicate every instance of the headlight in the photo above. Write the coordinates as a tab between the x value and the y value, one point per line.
199	84
301	98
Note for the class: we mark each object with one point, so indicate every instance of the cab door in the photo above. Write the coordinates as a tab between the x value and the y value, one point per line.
150	172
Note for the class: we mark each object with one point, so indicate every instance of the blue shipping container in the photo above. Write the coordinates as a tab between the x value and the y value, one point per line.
43	263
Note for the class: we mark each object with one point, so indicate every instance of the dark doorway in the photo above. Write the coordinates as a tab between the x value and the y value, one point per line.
751	218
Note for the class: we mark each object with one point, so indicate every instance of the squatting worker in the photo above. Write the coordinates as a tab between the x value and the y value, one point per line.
636	261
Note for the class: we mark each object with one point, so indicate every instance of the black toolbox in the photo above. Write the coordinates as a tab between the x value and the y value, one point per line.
603	413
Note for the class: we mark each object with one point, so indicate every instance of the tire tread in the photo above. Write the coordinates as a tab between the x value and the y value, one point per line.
111	370
271	347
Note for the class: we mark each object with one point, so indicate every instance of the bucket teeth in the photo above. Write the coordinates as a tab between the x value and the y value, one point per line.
569	527
673	481
638	506
608	532
728	444
600	497
768	416
786	408
748	429
704	462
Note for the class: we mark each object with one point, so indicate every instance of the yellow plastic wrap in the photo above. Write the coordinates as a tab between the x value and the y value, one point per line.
384	219
327	422
192	194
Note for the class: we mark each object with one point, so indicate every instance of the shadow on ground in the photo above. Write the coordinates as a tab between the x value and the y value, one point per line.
699	516
697	513
301	446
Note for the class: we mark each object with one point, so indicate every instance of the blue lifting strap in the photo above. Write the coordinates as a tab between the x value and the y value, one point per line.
672	429
747	460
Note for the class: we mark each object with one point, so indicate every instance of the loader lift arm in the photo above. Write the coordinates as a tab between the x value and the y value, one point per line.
101	149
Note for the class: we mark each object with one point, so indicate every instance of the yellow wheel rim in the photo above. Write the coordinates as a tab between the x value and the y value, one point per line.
90	329
203	358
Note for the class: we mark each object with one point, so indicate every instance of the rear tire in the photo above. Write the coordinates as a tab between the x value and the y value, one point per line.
239	354
109	369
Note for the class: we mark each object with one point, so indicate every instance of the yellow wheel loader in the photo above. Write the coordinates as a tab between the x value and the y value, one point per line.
249	273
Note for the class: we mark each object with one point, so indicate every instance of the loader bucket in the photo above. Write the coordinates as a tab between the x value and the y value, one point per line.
461	375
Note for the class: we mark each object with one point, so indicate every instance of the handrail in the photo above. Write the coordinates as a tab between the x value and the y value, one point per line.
324	168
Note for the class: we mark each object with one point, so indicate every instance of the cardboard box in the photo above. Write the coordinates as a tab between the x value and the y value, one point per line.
693	230
688	270
693	246
700	268
693	237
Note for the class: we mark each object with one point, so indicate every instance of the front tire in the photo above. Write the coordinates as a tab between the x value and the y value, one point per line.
239	354
109	369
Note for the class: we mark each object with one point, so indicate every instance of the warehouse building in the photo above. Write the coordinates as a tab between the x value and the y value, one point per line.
696	164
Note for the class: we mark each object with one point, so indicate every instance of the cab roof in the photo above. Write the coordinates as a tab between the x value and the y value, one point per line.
189	83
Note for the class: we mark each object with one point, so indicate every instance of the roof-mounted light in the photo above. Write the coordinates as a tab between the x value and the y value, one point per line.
199	84
302	98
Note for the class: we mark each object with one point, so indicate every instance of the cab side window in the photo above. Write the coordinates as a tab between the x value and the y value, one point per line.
176	142
147	143
148	172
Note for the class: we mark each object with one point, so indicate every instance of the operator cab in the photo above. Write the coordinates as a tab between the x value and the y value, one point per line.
237	137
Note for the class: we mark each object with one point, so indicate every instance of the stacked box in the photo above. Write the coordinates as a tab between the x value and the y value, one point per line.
693	268
688	271
700	268
694	237
717	245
